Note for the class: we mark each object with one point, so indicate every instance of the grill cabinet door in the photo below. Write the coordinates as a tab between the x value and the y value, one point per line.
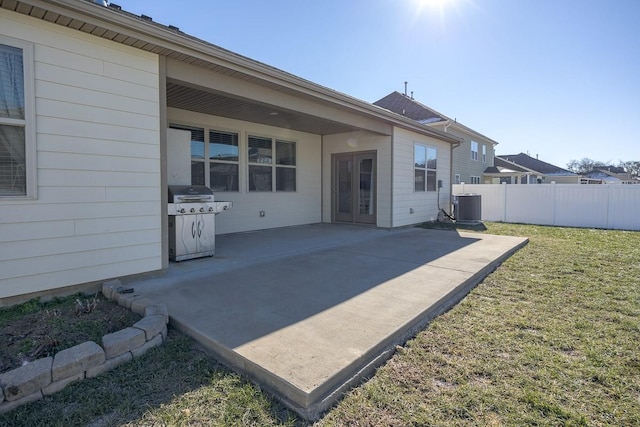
187	235
206	233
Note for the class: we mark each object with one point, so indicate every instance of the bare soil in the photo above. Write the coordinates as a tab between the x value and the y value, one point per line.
34	330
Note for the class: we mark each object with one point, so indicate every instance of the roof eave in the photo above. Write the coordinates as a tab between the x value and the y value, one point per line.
179	42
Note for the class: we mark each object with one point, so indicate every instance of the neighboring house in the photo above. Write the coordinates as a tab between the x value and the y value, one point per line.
609	175
524	169
470	159
87	94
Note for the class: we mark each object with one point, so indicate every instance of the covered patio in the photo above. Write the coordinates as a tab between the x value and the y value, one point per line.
309	311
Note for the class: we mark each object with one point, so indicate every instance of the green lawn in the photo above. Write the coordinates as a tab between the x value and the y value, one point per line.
552	337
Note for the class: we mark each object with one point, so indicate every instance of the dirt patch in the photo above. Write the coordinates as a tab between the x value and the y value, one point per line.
34	330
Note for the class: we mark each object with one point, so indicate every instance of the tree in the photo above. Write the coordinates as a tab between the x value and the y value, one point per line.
631	167
584	165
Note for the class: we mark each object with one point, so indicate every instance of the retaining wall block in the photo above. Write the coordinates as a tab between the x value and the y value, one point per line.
109	364
109	288
125	300
122	341
151	325
57	386
138	306
153	342
27	379
72	361
155	309
10	406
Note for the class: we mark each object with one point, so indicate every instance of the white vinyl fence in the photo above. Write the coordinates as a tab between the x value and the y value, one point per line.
574	205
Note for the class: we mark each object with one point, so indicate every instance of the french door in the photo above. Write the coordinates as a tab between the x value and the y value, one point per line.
354	188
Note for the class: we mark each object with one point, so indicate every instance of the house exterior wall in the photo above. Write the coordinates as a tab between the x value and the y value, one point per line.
97	210
562	179
405	198
352	142
463	164
281	208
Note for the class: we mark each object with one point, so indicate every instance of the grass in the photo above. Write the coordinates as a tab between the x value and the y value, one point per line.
550	338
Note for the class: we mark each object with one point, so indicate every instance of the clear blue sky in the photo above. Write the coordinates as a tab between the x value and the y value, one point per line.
556	78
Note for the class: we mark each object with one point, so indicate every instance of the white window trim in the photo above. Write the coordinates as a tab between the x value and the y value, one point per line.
425	169
484	153
273	164
457	179
206	160
29	118
474	153
475	179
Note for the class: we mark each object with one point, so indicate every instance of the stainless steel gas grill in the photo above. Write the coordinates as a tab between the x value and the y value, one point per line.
192	227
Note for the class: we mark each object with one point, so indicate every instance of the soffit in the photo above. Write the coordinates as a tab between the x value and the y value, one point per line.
210	102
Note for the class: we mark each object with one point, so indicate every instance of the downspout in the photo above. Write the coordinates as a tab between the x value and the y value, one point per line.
451	174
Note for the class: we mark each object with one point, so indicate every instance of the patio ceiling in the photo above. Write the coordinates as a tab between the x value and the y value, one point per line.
206	101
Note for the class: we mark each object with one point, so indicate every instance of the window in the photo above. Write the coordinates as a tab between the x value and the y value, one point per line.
475	180
484	153
425	166
265	174
17	140
223	161
458	178
474	150
214	162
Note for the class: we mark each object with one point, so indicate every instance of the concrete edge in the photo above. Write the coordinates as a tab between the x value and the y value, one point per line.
94	370
357	373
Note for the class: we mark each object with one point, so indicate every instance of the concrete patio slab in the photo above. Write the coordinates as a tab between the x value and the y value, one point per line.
309	311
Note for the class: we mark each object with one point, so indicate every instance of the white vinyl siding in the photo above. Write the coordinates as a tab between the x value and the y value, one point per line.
282	208
97	214
409	206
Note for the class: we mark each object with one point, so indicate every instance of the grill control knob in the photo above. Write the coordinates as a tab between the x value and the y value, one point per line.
210	209
182	210
201	209
192	210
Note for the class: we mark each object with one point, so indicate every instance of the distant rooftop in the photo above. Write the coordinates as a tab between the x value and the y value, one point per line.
533	164
409	107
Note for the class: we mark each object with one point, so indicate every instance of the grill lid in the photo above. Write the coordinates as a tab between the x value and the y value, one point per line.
178	193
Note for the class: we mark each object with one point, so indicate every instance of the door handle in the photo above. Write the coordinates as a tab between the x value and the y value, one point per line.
199	229
193	229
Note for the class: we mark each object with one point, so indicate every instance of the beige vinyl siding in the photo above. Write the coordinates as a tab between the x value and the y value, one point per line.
355	142
281	208
462	162
424	204
97	214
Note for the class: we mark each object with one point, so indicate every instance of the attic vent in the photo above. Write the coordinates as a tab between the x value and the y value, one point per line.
174	28
146	18
101	2
115	6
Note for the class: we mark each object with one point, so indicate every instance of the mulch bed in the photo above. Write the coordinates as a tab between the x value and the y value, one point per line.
34	330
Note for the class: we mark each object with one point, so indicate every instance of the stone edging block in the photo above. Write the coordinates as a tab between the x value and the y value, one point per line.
75	360
122	341
49	375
